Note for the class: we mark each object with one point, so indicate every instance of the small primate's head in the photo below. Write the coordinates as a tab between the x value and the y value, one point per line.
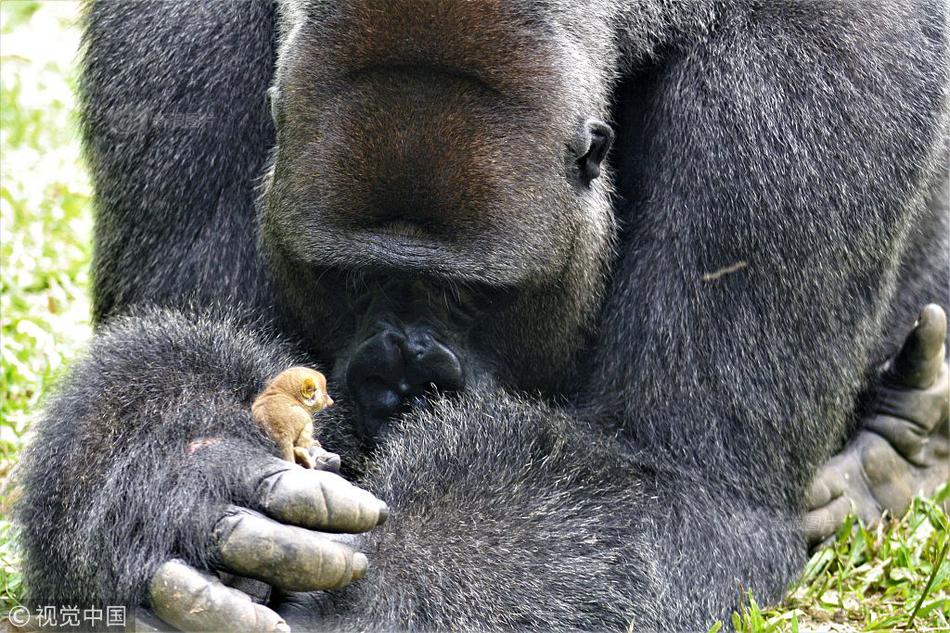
457	142
307	386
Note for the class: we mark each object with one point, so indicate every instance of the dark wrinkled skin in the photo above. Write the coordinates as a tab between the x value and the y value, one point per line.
901	448
288	546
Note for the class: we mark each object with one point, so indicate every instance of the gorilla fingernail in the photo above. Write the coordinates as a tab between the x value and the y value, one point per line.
360	565
382	514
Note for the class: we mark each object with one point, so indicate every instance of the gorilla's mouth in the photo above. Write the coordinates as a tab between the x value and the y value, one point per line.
404	245
419	70
415	230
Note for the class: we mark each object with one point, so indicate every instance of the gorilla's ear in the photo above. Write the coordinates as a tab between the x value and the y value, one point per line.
273	99
591	146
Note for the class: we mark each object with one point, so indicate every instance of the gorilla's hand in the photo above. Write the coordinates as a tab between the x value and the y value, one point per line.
149	454
278	546
901	448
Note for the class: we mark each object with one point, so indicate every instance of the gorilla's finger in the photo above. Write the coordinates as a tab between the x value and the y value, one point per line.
906	435
319	500
827	486
919	362
288	557
324	459
193	601
821	524
923	408
259	592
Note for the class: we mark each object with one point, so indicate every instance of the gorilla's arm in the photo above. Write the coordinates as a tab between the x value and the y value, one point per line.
149	453
769	169
168	91
488	531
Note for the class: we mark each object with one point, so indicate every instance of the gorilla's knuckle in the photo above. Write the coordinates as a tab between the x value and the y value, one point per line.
199	599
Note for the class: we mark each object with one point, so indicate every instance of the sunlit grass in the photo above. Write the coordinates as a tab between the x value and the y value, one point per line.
893	577
45	230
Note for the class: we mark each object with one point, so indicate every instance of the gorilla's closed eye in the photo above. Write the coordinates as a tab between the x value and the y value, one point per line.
591	147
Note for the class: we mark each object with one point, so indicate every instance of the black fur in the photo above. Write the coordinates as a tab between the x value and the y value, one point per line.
780	172
174	213
110	465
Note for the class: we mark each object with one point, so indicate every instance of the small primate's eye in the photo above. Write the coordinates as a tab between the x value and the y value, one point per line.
590	147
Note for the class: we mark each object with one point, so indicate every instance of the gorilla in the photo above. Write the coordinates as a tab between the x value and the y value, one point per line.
599	287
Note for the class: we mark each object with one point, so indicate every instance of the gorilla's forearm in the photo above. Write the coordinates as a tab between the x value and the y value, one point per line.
147	433
487	532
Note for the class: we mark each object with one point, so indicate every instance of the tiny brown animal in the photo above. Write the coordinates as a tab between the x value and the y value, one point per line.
285	410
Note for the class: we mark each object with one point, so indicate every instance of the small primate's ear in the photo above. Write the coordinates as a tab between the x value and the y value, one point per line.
308	388
273	100
591	146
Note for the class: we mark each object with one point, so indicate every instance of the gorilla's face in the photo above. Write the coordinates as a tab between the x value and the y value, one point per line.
449	142
453	148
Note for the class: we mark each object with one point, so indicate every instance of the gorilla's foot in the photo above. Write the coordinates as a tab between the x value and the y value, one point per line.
395	364
902	447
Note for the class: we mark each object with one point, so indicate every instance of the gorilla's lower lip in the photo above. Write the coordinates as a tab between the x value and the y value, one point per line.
369	248
404	228
404	247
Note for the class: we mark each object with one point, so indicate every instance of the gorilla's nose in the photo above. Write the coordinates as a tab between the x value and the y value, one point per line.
393	366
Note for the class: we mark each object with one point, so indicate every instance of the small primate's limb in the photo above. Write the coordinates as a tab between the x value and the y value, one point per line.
285	410
303	446
901	448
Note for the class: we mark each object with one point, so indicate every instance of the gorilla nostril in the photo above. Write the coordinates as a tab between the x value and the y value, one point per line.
387	400
416	347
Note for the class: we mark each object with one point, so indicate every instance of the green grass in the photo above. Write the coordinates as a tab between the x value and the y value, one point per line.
870	580
894	577
45	229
